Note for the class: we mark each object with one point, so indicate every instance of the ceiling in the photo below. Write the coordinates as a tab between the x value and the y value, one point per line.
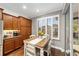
30	11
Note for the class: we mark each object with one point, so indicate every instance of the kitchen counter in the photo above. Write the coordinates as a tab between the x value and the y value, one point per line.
13	37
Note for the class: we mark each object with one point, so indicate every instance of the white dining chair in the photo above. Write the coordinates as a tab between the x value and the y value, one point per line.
47	48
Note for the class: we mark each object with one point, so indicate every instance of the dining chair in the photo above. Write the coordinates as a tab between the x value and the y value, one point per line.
32	37
47	48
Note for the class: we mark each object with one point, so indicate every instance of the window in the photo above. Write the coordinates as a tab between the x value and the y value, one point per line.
50	26
39	25
55	27
43	26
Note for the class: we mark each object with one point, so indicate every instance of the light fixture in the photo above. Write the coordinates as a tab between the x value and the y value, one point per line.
24	7
37	10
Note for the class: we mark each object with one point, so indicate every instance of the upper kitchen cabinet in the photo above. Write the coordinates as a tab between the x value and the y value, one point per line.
25	22
1	11
7	21
23	31
28	22
19	24
22	21
15	22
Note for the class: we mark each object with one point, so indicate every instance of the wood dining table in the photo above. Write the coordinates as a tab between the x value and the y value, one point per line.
40	45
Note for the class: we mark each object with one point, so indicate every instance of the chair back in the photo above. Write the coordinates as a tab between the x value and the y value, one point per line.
32	37
49	42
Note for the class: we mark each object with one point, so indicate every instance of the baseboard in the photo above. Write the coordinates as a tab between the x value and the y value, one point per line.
61	49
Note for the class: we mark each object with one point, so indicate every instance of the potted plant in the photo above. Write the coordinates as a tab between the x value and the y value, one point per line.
40	33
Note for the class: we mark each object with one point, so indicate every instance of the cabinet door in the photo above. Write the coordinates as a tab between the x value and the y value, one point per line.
15	23
20	41
16	43
19	23
28	22
23	22
28	31
23	31
8	45
7	21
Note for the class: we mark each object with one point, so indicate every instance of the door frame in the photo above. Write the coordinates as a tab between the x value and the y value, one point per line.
64	11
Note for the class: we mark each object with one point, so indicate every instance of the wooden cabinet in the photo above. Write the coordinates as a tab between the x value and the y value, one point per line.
28	31
7	21
12	44
8	45
28	22
25	22
11	22
23	30
19	23
22	21
15	23
21	40
1	11
16	43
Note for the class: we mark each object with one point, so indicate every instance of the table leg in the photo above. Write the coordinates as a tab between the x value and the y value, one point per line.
41	52
24	49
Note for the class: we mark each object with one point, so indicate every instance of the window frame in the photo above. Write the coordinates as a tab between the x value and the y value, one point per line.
51	26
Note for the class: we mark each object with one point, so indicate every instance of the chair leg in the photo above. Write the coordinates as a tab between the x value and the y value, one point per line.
47	54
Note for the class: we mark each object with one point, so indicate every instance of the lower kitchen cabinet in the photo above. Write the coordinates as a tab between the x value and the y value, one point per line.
16	43
20	42
12	44
8	45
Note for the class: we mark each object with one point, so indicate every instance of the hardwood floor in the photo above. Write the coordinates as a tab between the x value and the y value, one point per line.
18	52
